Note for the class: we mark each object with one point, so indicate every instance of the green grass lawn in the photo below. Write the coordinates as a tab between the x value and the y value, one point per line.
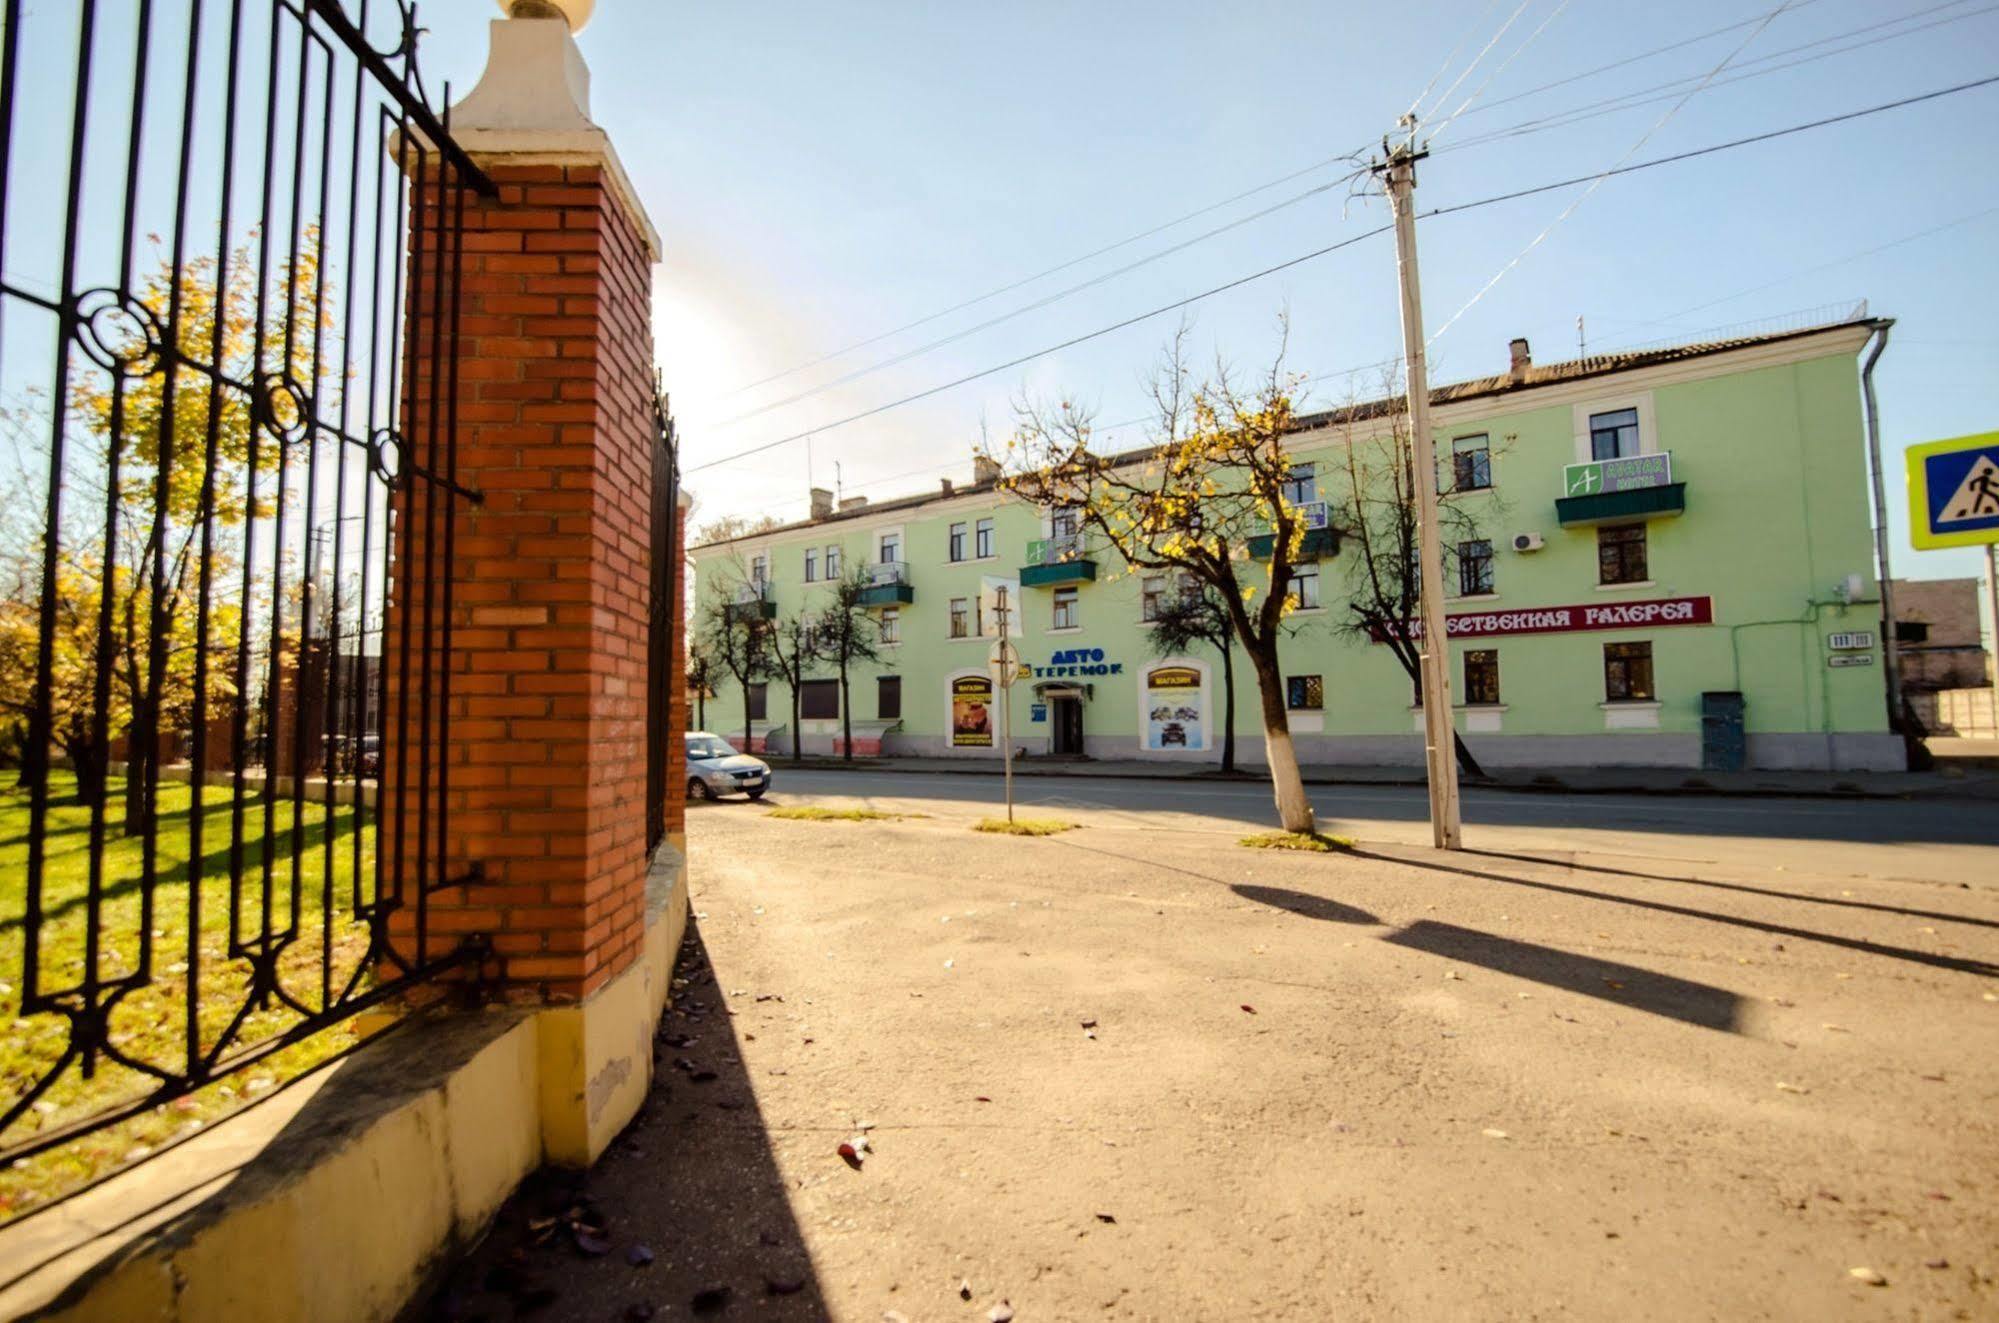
149	1024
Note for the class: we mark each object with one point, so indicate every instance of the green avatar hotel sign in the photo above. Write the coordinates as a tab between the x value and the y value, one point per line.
1604	491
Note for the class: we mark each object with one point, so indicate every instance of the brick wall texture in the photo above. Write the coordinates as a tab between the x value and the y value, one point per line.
548	582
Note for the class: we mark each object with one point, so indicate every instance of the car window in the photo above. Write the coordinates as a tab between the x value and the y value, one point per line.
709	748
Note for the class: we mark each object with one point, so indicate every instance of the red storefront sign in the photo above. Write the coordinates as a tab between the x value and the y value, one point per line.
1572	619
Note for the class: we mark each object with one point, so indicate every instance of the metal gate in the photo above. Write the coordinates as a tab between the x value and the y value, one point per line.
234	432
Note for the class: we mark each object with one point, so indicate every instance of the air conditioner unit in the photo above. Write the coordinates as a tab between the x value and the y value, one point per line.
1527	542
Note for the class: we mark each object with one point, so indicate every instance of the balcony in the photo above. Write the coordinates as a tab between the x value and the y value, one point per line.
1613	491
1055	561
888	584
1321	538
755	600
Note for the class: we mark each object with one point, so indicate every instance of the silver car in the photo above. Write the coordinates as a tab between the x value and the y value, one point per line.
714	768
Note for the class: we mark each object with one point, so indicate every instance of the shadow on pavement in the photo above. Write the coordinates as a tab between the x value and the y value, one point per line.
1303	903
1621	985
1937	960
685	1217
1741	887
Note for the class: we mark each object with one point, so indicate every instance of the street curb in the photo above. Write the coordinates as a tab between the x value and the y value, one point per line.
1516	787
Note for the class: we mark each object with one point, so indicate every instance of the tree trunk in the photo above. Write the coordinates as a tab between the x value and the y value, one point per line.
797	724
1466	763
700	709
89	762
1228	708
138	761
1294	810
846	718
34	758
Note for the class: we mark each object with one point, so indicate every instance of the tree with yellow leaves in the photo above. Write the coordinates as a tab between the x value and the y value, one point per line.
167	464
1213	480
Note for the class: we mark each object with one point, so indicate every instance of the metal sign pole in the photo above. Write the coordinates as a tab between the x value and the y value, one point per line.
1005	678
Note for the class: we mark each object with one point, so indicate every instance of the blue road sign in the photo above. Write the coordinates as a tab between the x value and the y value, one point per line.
1954	492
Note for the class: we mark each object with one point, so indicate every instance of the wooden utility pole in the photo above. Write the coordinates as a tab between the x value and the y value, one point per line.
1399	171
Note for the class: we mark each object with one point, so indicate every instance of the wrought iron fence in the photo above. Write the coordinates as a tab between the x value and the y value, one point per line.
663	672
229	249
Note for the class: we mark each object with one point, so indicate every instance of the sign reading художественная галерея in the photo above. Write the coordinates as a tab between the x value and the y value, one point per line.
1571	619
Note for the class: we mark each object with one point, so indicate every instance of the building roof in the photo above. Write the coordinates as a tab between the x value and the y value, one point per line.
1529	377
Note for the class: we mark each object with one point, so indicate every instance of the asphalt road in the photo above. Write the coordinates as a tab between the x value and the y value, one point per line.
1951	842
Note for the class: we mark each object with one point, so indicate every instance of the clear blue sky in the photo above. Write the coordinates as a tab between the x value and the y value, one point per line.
821	173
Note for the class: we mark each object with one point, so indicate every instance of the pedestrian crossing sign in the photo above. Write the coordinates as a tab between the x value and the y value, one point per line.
1954	492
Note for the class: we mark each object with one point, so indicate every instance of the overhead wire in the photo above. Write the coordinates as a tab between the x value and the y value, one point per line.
1479	91
1451	209
1598	181
1038	304
1747	70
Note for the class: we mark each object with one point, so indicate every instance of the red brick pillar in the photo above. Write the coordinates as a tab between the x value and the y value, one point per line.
550	574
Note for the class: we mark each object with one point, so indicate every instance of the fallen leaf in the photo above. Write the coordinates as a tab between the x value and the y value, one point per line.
1454	975
638	1256
1936	1263
1783	1087
784	1285
981	1098
1613	985
1867	1275
964	1289
710	1299
851	1155
1090	1024
592	1246
1494	1134
1249	1008
1000	1313
1107	1219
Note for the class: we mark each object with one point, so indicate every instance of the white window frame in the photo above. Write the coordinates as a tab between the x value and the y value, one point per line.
812	565
953	614
985	539
1070	598
1292	589
889	630
832	561
955	541
1648	423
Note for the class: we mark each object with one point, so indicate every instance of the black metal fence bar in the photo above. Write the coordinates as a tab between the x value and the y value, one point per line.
661	672
239	451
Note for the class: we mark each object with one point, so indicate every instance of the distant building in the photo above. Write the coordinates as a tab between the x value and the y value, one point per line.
1938	634
1671	545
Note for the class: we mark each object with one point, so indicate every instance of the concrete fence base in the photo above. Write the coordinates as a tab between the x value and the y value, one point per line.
341	1197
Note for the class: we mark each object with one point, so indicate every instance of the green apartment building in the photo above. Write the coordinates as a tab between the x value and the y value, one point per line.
1673	566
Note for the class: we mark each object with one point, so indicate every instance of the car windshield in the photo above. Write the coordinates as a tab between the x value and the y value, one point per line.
707	746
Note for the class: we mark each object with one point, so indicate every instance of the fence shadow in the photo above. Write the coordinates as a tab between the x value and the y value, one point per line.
692	1183
1619	984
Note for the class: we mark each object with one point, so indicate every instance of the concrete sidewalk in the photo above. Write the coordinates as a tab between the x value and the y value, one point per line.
1947	781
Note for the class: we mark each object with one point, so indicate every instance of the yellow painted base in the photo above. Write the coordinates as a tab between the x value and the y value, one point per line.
335	1199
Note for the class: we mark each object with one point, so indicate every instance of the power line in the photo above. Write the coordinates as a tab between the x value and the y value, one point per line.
1468	108
1597	182
1630	60
1042	353
1035	306
1479	91
1452	209
1057	269
1644	96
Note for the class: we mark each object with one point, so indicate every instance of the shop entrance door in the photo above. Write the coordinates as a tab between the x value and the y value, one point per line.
1065	715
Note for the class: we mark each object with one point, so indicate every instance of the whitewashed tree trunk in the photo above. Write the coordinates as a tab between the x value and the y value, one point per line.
1294	810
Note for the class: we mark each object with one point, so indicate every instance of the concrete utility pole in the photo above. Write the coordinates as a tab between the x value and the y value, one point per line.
1992	600
1439	755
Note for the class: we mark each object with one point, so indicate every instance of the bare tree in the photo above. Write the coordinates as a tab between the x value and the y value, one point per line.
848	636
1373	494
794	650
702	673
727	528
1213	482
738	640
1193	616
